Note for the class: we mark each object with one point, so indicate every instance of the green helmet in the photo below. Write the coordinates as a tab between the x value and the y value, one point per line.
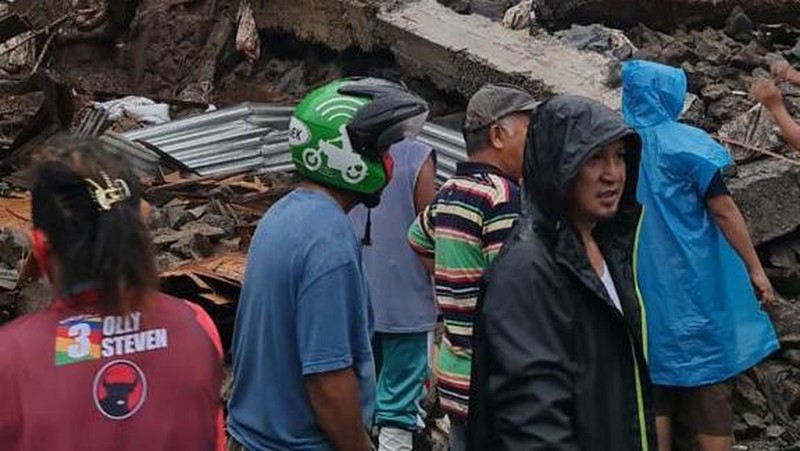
339	133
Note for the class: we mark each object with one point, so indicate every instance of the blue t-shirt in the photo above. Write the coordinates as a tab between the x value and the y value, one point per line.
304	309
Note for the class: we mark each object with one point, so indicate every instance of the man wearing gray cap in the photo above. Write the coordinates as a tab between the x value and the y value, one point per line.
461	232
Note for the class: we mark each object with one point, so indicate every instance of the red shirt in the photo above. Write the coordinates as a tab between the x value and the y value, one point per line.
74	380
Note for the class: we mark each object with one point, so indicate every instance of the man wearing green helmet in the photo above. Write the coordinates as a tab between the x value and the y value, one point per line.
303	372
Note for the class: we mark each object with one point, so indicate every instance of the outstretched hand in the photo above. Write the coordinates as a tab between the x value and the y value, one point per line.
780	69
765	92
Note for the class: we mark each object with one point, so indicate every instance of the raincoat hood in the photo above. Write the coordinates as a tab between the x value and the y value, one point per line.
547	333
652	93
707	283
564	133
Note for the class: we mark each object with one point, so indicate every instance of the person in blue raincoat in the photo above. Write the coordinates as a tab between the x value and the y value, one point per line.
698	273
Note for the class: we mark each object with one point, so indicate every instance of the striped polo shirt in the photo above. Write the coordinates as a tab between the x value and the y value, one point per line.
463	230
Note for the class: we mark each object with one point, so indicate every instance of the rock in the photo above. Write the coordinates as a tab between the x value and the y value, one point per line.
754	128
457	53
747	397
493	9
741	429
784	316
216	207
14	246
675	53
165	237
225	223
795	51
696	115
783	252
723	72
753	420
724	108
762	189
212	233
521	16
750	57
644	36
715	92
598	38
459	6
785	281
199	211
779	33
275	68
178	216
752	425
166	261
739	26
696	78
156	219
775	431
293	82
792	356
195	246
222	192
708	46
230	246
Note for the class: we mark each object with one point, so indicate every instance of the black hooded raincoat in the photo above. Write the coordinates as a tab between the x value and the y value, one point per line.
556	366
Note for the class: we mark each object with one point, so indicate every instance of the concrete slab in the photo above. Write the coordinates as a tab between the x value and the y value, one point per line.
461	53
457	52
767	192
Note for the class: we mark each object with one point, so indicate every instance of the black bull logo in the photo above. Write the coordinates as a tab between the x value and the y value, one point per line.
116	401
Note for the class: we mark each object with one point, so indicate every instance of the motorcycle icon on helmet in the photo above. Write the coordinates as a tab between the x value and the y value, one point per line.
349	164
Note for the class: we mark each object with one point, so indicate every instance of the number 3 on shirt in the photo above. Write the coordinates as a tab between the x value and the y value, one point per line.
80	335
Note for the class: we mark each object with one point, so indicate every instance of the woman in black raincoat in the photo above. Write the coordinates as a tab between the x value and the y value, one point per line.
558	360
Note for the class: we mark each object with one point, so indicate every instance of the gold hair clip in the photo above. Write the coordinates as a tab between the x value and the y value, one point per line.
115	191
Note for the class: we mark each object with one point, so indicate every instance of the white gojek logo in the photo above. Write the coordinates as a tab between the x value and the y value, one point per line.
342	159
298	132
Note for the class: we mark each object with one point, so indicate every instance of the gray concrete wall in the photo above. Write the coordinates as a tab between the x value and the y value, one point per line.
457	52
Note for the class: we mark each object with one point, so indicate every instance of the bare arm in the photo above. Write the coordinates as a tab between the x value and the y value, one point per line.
789	128
729	219
334	399
793	77
767	93
424	193
425	188
784	71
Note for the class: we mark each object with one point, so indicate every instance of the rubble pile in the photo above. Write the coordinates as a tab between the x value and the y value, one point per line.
195	223
720	63
663	13
196	219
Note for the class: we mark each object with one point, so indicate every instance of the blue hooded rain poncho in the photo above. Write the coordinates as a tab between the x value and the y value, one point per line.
703	320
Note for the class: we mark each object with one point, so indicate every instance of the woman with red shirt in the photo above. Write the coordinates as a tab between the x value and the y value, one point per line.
111	363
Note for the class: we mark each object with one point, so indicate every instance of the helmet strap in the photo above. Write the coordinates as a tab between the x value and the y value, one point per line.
366	240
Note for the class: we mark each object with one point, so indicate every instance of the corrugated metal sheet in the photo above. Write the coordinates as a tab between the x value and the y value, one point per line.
241	138
253	136
143	160
449	146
